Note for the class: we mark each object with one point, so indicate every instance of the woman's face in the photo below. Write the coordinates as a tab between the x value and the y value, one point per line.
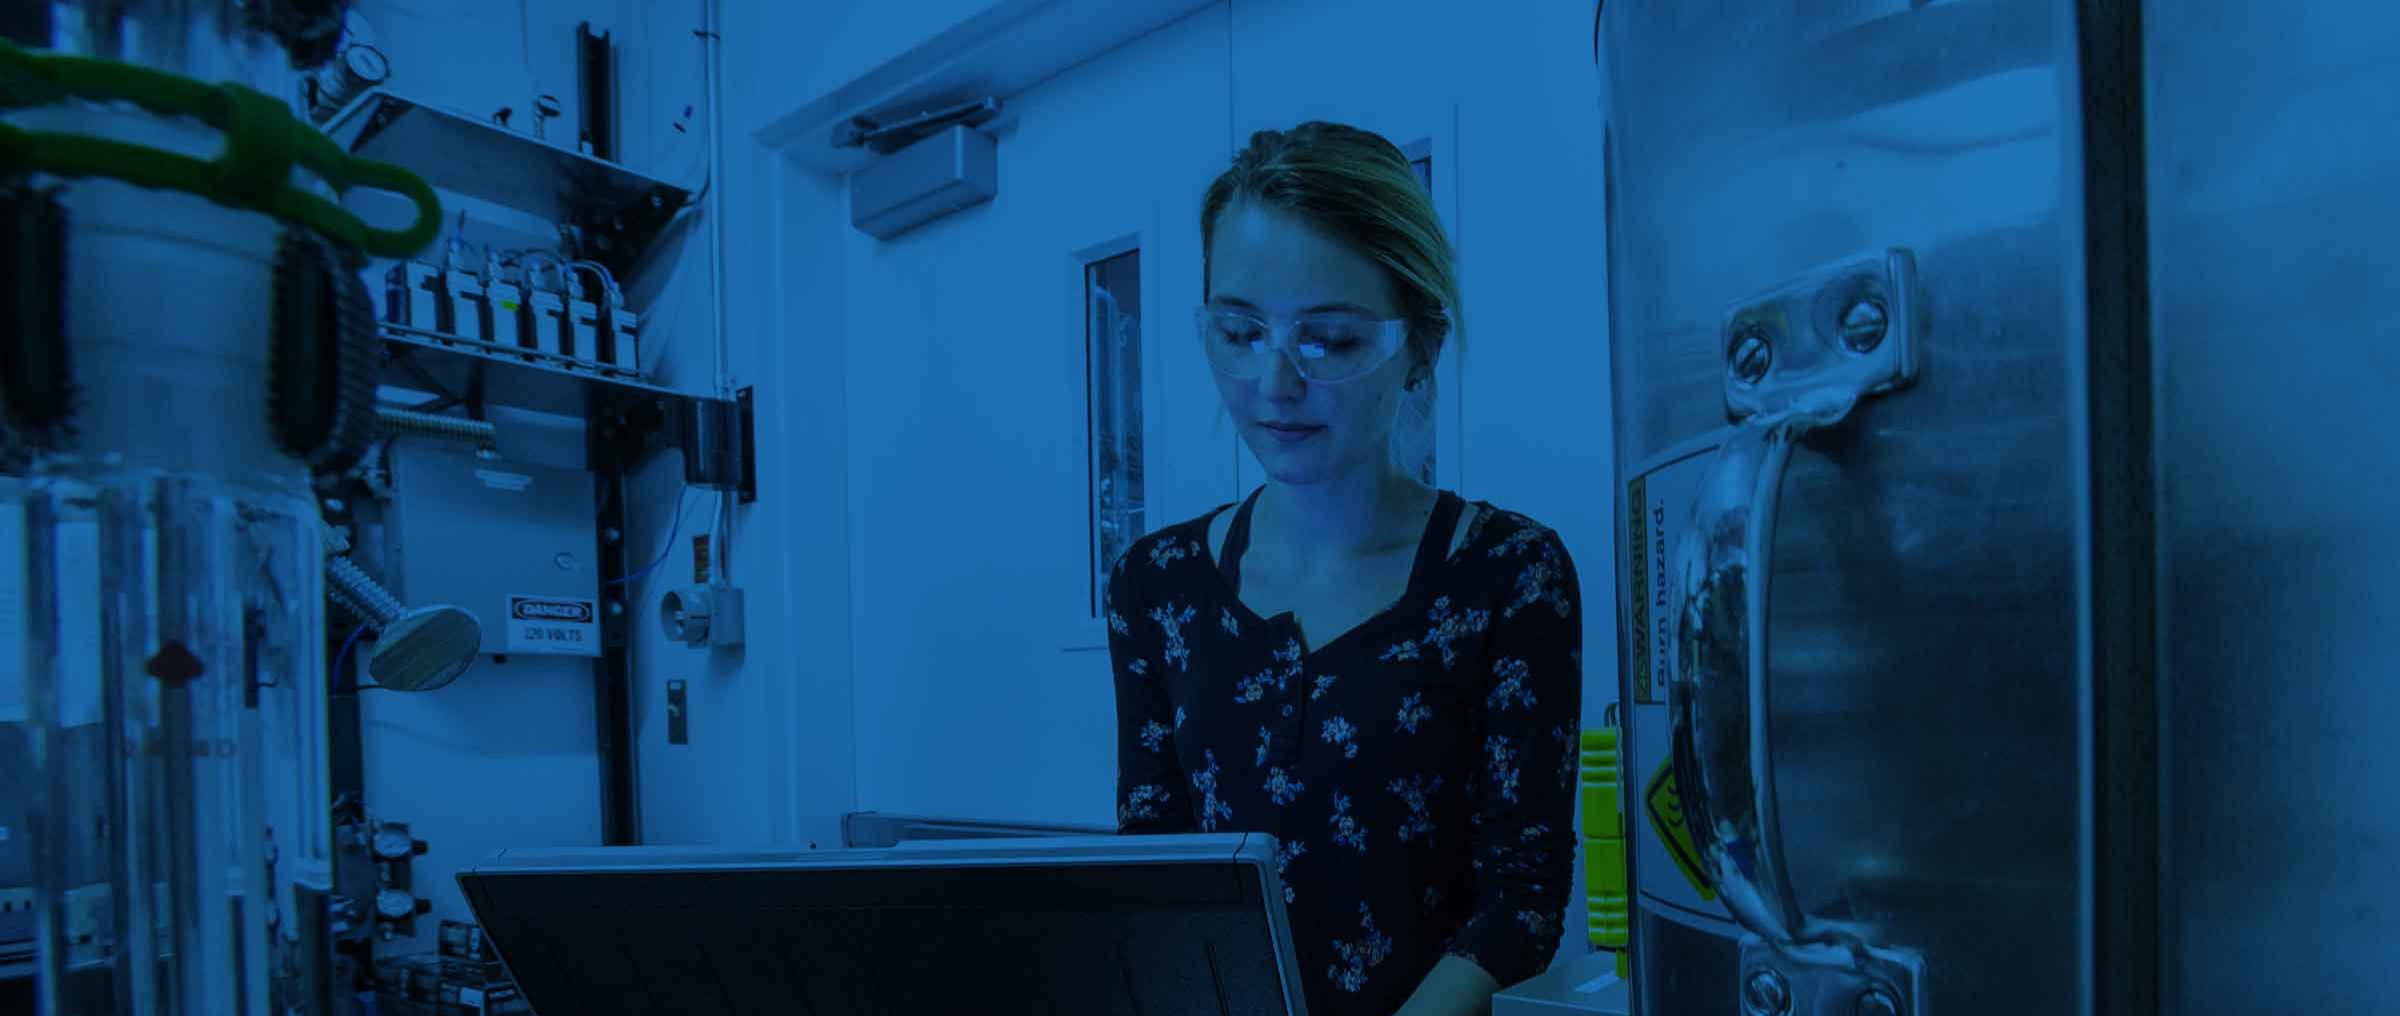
1304	432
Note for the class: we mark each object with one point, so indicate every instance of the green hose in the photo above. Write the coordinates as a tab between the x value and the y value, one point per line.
263	141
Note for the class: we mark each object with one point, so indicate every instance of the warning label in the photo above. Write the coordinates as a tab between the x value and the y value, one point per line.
1658	505
1637	598
1664	804
553	625
1657	511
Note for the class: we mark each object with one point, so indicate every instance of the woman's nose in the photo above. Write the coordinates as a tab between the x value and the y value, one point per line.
1282	381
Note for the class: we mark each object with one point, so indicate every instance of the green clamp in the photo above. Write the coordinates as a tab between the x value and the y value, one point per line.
263	141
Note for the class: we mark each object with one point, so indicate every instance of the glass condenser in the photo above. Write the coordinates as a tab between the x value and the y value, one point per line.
2007	527
187	348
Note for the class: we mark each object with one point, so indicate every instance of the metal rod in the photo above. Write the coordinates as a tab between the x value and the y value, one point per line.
360	590
405	421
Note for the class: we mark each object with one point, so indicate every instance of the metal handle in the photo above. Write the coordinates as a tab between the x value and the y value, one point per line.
1723	759
1797	358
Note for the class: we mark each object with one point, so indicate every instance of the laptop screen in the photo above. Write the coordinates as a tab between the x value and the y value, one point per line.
1105	926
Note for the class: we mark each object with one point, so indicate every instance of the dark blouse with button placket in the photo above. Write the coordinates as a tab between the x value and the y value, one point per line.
1418	771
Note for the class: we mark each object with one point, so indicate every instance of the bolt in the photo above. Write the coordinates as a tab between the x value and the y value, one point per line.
1764	993
1864	324
616	608
337	542
415	650
1876	1002
1752	355
612	534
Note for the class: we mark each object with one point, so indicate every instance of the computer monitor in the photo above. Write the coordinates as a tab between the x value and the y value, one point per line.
1187	925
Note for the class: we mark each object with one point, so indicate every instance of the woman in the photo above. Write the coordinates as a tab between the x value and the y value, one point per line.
1385	678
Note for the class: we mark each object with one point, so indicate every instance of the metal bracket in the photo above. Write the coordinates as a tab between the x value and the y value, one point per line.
886	138
710	433
1829	980
1850	327
746	401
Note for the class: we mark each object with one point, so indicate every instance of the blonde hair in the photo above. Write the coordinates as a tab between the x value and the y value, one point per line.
1358	186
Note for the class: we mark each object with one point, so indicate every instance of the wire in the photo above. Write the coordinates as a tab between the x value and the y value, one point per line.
343	656
681	501
718	527
608	282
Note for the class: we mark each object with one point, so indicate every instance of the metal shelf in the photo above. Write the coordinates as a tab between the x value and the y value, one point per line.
619	212
520	378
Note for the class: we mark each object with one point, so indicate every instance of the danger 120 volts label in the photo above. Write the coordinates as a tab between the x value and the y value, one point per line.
555	625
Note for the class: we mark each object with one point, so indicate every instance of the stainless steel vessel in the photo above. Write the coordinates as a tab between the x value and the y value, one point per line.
2007	535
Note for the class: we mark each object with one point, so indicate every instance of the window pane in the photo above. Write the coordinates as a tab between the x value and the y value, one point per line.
1112	290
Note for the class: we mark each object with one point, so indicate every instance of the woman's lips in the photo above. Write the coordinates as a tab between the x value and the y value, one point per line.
1289	434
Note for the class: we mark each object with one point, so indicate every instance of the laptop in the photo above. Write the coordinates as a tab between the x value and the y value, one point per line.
1188	925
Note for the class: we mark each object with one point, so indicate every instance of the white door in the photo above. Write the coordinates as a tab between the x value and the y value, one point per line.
970	486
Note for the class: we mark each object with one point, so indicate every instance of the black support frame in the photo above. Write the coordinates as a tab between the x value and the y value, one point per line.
2125	792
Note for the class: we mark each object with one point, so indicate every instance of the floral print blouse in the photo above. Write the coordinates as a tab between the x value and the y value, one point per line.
1418	771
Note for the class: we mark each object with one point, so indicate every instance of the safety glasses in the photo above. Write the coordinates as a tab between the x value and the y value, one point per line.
1325	347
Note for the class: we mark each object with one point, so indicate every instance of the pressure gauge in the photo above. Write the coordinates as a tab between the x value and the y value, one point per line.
351	72
392	843
395	905
366	65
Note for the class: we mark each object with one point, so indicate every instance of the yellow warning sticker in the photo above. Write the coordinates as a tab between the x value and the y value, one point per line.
1665	807
1658	507
1637	598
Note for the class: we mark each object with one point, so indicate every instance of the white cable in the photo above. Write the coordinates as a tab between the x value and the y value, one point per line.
715	42
719	526
615	298
525	41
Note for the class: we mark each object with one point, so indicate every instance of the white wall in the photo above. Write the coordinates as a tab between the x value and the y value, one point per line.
790	53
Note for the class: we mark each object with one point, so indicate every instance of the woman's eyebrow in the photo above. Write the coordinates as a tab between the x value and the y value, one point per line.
1338	305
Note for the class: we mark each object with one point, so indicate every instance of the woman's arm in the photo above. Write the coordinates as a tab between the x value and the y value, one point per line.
1151	792
1456	987
1523	839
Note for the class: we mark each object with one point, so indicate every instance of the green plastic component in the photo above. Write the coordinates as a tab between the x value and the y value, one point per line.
1607	896
263	142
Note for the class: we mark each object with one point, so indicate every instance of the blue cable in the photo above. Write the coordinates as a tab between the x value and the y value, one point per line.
682	501
344	656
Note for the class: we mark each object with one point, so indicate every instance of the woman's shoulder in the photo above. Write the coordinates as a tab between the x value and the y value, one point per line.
1496	531
1523	559
1160	552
